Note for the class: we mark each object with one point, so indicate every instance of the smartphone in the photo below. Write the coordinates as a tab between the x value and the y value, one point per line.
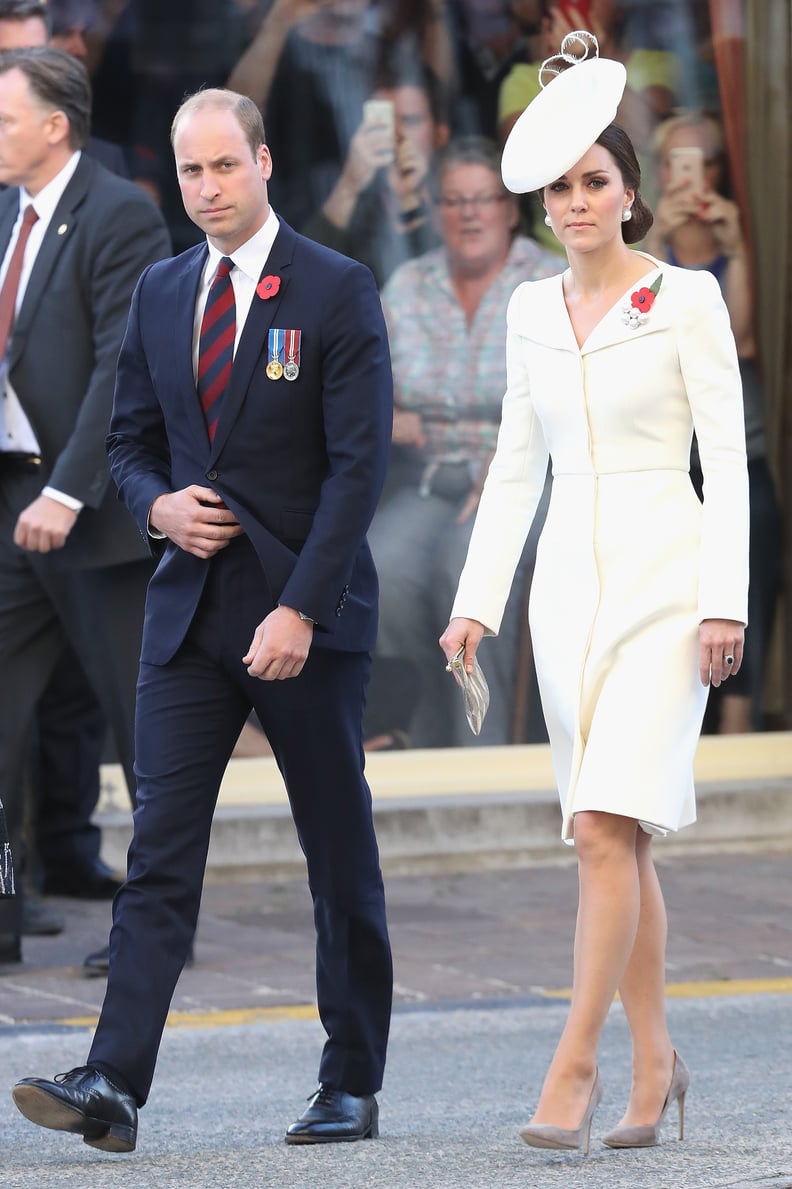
380	111
686	164
581	15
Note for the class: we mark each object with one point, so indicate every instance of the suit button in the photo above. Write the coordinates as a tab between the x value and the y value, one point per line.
211	475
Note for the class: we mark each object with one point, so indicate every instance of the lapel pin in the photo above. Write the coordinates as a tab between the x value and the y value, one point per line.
62	229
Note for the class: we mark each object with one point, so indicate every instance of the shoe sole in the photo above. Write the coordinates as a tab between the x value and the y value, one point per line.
46	1111
329	1139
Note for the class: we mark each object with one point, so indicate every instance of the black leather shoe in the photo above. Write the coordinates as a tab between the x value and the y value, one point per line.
94	881
334	1117
10	948
40	919
97	964
82	1101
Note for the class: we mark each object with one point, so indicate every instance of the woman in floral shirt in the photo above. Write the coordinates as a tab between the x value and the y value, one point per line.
446	315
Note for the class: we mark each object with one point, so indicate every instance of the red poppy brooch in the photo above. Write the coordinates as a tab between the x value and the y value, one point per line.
636	311
268	287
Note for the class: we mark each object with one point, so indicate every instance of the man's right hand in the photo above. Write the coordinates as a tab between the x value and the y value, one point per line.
408	428
195	519
678	204
371	148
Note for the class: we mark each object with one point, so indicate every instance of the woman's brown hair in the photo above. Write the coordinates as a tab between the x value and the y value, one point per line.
620	147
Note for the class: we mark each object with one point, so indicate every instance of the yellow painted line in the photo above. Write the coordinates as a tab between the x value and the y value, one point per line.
308	1011
216	1019
709	990
736	986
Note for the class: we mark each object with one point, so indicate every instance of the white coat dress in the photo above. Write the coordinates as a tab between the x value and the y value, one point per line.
629	562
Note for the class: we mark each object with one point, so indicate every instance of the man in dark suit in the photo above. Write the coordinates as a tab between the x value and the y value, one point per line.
74	239
71	729
249	439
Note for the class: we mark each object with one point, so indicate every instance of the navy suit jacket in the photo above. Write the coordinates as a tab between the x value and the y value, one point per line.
301	463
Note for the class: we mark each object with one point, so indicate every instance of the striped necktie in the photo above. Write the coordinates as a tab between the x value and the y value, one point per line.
216	344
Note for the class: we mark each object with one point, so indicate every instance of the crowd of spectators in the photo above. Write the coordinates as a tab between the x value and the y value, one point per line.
365	103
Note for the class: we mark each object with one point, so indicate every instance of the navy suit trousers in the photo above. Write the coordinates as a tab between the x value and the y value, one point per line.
189	715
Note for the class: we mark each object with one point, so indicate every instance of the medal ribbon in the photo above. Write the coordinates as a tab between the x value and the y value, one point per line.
276	340
293	346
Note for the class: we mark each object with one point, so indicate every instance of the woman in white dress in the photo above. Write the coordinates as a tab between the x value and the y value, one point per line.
639	593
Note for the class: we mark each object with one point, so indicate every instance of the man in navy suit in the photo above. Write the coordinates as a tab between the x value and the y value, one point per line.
249	440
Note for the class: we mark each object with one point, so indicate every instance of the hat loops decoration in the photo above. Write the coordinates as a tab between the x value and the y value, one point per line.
558	63
563	121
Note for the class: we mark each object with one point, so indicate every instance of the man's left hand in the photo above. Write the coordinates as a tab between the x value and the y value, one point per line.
44	525
280	646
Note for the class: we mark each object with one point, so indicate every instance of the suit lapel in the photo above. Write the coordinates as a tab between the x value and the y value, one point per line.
255	334
7	222
60	230
183	325
612	328
547	319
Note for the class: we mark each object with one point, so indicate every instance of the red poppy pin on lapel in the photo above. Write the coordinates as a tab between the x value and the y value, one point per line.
268	287
636	311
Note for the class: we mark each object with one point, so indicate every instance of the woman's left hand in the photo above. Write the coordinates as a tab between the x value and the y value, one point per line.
462	633
720	641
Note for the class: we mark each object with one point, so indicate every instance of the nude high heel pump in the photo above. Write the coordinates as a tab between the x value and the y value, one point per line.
648	1135
545	1135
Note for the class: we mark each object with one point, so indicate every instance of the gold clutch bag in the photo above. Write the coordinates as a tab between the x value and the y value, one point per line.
475	690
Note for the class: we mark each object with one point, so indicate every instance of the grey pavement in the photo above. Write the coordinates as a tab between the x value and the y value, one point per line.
459	1083
478	954
467	936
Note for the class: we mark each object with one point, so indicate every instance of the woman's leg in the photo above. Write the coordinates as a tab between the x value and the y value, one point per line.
607	922
642	991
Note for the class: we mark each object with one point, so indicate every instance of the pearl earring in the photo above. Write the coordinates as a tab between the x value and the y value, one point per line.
626	214
548	221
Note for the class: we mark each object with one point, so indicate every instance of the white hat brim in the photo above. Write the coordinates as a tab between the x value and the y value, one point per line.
562	123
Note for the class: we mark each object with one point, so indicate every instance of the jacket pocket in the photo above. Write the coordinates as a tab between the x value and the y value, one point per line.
295	526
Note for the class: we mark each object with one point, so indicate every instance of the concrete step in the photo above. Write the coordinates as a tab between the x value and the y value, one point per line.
482	805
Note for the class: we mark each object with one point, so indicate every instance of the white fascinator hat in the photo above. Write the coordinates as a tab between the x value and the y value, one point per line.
566	117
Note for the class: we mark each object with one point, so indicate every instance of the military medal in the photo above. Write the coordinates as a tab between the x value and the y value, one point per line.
275	367
292	369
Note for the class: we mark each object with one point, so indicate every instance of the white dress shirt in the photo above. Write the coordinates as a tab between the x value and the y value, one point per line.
249	262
